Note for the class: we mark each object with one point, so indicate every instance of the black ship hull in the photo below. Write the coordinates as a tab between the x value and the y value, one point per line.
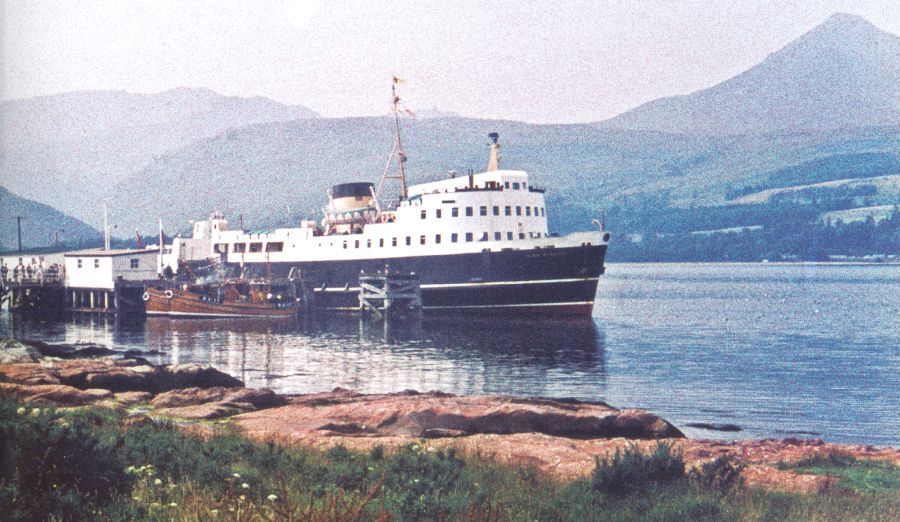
538	282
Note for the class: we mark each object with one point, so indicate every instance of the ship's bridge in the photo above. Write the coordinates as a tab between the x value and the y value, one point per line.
497	179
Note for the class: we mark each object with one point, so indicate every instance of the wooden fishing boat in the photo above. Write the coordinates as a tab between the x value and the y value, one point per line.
222	300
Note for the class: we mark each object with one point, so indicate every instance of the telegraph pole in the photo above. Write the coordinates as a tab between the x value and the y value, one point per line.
19	228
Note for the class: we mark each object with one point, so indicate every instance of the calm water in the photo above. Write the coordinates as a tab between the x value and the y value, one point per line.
779	350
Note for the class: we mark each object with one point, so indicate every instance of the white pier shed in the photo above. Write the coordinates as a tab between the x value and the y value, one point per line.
105	280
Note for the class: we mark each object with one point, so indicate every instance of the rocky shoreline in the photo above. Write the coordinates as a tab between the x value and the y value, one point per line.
559	437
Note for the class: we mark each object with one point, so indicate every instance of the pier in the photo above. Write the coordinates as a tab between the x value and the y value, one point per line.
39	291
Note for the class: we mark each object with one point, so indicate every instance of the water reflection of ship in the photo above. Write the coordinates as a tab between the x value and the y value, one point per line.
311	354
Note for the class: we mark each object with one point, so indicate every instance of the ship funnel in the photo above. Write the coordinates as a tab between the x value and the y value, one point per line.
494	161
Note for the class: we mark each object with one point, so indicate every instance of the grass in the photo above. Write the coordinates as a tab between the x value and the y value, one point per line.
861	476
83	465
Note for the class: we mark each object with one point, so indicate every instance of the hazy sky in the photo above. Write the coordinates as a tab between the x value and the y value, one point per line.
523	60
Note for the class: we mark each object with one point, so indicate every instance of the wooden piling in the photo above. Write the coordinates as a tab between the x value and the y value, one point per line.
387	294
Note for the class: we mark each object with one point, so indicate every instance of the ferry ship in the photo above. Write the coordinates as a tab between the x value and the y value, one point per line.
479	244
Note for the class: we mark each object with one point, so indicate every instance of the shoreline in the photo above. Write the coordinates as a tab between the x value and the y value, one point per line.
561	438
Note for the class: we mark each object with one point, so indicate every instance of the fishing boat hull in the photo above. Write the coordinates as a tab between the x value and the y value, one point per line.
181	303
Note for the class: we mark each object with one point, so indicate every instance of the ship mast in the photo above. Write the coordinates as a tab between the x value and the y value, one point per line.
398	147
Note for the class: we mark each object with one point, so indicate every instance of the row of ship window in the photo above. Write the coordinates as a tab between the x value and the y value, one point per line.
222	248
454	238
272	246
483	211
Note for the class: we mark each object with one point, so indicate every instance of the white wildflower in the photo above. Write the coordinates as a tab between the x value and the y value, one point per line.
272	497
245	486
157	482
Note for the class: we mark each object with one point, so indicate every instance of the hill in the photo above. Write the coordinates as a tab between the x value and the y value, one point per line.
276	173
67	150
41	225
843	73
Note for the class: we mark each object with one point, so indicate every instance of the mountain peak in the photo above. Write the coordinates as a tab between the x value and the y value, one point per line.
841	73
843	29
847	20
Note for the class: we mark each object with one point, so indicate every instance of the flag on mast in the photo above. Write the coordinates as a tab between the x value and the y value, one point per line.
398	80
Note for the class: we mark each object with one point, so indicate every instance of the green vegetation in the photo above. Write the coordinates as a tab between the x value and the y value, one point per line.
801	238
88	465
632	471
862	476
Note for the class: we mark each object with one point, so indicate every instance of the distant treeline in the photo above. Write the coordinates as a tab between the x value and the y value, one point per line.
832	168
813	241
788	225
786	209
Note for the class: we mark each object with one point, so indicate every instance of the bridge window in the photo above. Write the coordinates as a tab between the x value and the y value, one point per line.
535	211
368	243
381	242
421	240
469	211
509	236
518	211
437	239
256	247
507	211
408	240
96	263
527	211
521	235
394	242
424	213
468	237
496	210
484	237
79	263
135	263
221	248
515	186
497	236
505	184
356	243
437	213
454	237
345	245
482	211
240	247
275	246
454	212
542	211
